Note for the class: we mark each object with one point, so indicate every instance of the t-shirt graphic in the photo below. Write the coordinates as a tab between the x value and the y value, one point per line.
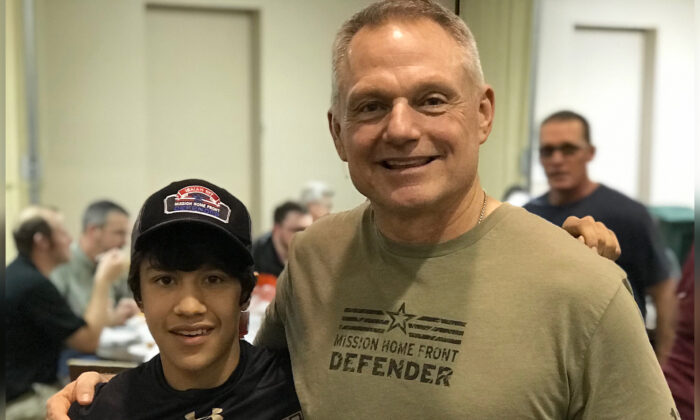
397	345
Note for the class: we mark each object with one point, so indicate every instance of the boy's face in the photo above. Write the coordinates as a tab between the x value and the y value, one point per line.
193	317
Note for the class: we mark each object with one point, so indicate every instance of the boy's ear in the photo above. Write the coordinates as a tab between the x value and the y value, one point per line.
245	305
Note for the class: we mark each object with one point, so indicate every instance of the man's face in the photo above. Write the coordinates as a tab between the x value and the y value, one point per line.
564	154
293	222
60	239
114	233
193	317
409	121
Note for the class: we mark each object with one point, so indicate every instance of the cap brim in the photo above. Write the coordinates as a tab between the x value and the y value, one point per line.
240	250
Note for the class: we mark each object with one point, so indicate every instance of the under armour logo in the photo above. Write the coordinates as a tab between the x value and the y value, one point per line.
215	415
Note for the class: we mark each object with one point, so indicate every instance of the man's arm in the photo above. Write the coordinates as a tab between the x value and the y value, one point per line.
621	377
81	390
663	295
96	315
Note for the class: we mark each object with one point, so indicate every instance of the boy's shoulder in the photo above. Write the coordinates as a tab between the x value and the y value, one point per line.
115	399
262	386
265	367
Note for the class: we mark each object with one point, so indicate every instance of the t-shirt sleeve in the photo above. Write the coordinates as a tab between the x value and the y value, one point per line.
121	289
622	378
59	278
51	313
272	333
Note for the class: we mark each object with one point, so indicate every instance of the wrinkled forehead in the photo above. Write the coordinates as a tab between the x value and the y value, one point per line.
396	42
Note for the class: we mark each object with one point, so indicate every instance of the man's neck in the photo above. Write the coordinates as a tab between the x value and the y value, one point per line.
88	248
431	226
44	263
207	377
280	250
563	197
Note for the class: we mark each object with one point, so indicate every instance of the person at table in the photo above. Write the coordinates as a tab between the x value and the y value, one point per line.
105	227
38	320
192	274
270	250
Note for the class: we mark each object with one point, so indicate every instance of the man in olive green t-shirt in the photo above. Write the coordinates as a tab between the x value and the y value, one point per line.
434	300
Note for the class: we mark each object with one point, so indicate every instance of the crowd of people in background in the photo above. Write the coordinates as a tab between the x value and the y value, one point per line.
548	338
62	292
88	289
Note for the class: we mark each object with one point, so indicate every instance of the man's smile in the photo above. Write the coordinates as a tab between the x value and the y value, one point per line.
406	163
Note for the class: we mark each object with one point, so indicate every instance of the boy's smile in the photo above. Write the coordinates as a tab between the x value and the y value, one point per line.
192	335
193	317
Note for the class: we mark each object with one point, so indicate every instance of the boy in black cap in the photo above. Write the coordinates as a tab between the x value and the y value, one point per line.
192	274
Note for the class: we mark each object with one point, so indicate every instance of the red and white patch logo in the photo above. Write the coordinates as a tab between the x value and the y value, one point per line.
197	199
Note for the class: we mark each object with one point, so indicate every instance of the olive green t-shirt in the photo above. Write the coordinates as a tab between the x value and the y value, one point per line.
513	319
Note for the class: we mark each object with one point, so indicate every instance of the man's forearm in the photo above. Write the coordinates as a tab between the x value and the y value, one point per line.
97	311
664	298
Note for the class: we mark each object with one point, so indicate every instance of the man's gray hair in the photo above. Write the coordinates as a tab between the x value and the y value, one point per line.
97	212
382	11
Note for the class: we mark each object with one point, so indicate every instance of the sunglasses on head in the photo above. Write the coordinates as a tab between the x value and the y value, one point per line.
566	149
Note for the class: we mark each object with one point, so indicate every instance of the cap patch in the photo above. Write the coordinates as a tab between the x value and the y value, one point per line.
197	199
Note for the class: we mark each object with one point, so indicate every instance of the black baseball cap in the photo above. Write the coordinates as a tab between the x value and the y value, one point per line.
195	201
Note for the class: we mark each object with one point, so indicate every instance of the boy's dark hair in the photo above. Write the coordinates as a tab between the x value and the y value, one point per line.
287	207
188	247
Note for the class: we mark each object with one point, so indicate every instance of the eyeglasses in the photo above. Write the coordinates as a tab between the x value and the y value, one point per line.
566	149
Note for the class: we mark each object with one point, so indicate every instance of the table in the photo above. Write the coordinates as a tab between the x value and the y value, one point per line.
131	342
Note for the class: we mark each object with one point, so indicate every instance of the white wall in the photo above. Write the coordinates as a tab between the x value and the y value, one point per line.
296	40
673	109
95	87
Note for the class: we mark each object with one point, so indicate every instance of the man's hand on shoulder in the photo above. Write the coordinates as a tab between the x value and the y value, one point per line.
81	390
595	235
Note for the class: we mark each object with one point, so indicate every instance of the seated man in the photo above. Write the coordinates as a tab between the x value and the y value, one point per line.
38	320
192	274
318	198
270	251
105	227
270	255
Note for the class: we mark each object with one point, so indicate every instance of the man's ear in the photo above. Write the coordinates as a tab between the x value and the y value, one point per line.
334	127
41	241
591	153
487	108
91	230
